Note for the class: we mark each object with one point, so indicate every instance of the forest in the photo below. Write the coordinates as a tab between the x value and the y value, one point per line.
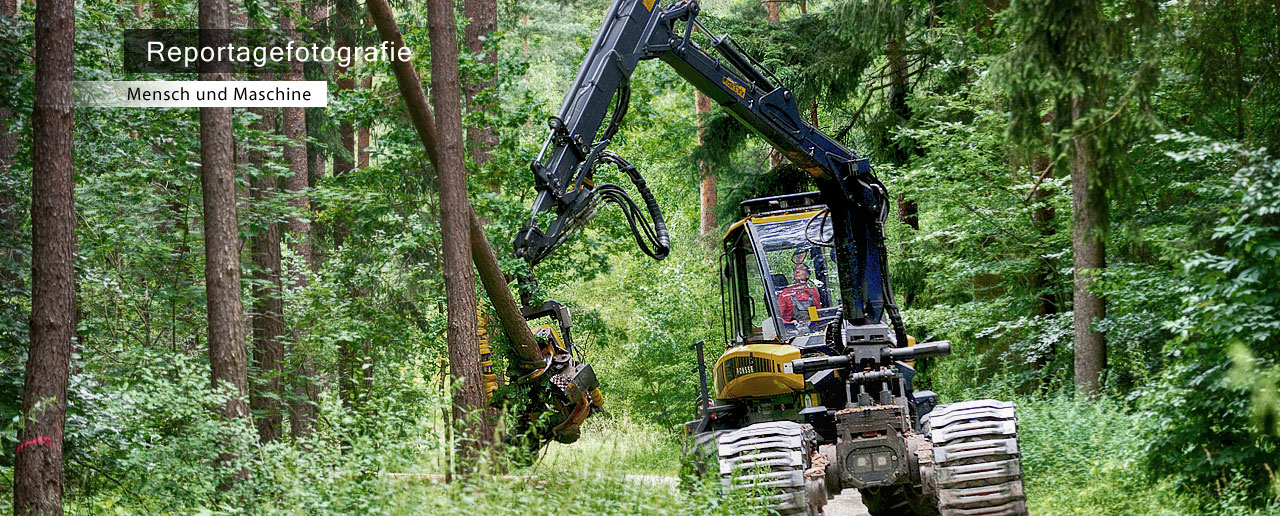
281	310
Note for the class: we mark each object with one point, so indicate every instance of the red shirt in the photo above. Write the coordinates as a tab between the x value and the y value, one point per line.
800	295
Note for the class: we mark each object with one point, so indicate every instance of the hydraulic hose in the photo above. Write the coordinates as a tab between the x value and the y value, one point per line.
619	109
654	240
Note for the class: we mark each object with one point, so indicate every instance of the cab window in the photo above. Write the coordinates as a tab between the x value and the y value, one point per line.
800	272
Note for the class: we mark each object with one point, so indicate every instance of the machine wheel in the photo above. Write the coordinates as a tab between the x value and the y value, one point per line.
767	462
977	463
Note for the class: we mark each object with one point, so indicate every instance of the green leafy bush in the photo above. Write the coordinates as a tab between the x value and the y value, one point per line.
1210	421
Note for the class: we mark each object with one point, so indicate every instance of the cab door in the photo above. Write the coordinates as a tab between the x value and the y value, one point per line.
750	307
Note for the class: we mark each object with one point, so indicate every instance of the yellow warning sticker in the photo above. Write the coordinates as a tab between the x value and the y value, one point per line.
735	87
648	4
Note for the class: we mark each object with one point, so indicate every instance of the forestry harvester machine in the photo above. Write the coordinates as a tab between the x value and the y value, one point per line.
813	393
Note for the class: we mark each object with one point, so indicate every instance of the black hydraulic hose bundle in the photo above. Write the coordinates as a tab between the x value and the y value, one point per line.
656	241
650	233
824	215
891	306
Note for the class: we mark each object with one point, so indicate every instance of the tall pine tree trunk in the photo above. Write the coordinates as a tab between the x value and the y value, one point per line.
908	210
362	161
222	234
455	214
707	185
317	154
1042	216
305	390
1089	207
37	473
268	307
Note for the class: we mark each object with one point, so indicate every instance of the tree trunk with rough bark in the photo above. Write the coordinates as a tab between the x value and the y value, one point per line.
707	185
305	390
1042	216
9	279
1090	215
37	473
268	306
469	402
362	161
908	210
222	236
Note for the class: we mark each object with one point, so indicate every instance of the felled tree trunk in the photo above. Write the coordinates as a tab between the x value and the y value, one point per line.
495	283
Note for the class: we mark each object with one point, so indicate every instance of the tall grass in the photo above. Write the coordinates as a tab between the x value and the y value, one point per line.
619	467
1083	458
617	446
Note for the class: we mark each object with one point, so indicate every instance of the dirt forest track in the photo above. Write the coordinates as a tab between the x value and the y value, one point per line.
847	503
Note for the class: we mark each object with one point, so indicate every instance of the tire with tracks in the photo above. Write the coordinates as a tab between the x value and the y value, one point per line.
977	463
766	463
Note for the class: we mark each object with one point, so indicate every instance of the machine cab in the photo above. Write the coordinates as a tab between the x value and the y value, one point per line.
778	275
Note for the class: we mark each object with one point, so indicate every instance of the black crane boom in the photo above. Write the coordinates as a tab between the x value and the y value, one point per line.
636	30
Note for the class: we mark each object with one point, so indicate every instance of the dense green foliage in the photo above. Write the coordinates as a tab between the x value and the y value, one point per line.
1190	419
1219	390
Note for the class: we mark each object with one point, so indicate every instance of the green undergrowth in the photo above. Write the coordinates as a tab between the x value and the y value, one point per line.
619	445
1079	457
1084	458
618	467
569	491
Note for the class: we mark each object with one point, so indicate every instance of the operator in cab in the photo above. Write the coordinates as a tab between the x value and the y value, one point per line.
799	299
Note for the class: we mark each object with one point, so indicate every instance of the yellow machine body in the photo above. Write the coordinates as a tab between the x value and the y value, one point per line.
755	370
487	376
